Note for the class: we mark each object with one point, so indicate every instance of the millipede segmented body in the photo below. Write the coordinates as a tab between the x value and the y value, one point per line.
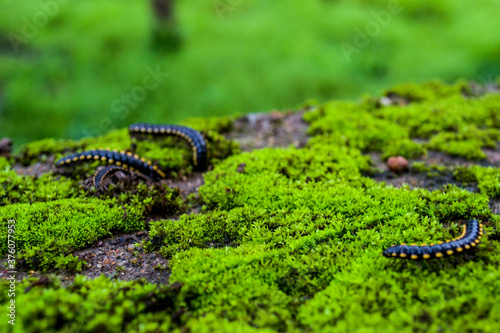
100	175
470	237
127	161
193	137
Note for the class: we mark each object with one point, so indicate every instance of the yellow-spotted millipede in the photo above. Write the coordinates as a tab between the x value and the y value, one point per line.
123	160
470	237
198	143
100	175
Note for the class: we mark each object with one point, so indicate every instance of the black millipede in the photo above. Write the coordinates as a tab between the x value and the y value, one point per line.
127	161
470	237
100	175
193	137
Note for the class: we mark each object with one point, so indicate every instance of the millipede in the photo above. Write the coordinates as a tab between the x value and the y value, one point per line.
470	237
101	174
193	137
124	160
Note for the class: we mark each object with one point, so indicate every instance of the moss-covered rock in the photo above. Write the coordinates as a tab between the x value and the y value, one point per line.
99	305
46	231
287	239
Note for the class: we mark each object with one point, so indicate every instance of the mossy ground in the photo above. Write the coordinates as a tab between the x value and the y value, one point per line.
286	239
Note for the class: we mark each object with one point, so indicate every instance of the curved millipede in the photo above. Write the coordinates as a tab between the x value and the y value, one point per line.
470	237
193	137
127	161
100	175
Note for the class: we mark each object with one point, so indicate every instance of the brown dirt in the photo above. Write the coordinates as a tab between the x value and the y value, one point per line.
275	129
115	257
434	180
36	169
418	180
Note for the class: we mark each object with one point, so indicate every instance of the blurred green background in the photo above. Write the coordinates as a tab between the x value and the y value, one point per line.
66	67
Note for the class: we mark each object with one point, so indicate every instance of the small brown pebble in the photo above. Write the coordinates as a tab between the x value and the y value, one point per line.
397	164
139	233
131	247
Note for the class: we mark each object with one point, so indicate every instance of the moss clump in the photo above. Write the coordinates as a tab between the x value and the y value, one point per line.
154	199
440	113
213	124
41	150
4	163
406	148
419	167
99	305
171	154
45	232
467	142
355	124
117	139
15	188
429	91
487	178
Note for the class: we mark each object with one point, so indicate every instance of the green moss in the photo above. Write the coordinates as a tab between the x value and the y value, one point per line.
117	139
467	142
355	124
4	163
289	239
45	232
99	305
284	240
464	174
171	154
488	179
453	114
356	300
41	150
294	191
419	167
430	91
156	198
274	240
406	148
453	123
28	189
214	124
